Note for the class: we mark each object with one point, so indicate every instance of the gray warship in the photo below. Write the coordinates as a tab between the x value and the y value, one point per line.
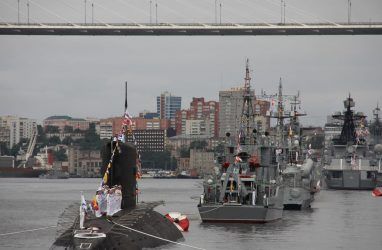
299	166
351	164
246	186
134	226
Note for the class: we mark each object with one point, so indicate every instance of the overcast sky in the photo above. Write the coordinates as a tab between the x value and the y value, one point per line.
84	76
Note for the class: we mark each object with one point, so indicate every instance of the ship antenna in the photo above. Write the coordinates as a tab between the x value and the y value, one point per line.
125	96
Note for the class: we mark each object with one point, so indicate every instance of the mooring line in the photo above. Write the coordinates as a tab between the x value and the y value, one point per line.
29	230
156	237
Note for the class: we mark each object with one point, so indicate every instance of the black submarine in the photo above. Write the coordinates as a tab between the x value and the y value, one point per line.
134	227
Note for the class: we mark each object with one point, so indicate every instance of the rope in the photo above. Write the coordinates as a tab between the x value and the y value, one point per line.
30	230
156	237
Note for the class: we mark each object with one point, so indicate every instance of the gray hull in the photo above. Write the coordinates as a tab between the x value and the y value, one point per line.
297	198
350	179
239	213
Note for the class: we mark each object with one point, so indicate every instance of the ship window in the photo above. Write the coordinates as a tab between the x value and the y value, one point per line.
337	174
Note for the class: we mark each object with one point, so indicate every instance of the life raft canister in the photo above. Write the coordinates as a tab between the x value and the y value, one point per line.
180	221
254	161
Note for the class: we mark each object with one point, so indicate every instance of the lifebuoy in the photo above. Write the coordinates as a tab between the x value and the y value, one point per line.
180	221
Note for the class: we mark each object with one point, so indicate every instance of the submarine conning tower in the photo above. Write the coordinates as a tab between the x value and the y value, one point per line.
123	169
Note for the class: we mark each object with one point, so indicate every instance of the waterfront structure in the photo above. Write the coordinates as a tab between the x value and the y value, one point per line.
201	161
14	128
202	118
66	121
84	163
167	105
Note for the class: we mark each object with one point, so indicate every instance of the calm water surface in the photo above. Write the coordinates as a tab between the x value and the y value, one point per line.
338	219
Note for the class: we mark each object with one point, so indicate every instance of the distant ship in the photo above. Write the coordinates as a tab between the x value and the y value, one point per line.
21	172
351	164
54	174
246	187
8	169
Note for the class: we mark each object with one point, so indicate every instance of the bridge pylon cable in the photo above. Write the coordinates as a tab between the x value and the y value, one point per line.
51	12
64	2
23	13
308	14
277	16
117	14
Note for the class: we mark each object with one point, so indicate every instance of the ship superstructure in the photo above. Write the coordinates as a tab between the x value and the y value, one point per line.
300	170
351	163
246	186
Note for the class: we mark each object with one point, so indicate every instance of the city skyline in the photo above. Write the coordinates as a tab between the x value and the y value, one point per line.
84	76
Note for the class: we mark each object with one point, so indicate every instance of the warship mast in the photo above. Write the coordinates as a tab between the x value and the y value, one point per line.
280	116
247	114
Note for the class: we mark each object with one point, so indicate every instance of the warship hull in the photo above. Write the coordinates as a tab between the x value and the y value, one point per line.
239	213
351	179
297	198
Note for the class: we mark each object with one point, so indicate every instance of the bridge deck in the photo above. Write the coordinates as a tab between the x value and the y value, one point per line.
191	29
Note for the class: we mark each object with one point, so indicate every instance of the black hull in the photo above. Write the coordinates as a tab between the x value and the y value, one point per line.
141	218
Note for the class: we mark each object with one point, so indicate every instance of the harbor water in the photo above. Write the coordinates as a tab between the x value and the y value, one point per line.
337	220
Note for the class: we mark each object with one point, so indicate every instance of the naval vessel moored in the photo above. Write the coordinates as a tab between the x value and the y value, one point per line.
246	187
351	164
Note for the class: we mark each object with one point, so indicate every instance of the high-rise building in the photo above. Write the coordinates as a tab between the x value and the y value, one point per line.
14	128
167	105
230	110
204	114
231	105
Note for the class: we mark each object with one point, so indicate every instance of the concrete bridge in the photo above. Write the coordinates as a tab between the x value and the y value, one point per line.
191	29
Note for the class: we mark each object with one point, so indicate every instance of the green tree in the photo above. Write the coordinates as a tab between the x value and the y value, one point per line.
91	140
184	152
67	140
219	149
15	149
52	129
68	129
54	140
162	160
4	149
198	144
60	155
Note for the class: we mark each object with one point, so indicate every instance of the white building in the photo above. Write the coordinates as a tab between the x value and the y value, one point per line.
106	129
18	128
231	105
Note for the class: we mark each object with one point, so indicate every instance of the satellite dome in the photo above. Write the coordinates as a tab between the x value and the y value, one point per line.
378	149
